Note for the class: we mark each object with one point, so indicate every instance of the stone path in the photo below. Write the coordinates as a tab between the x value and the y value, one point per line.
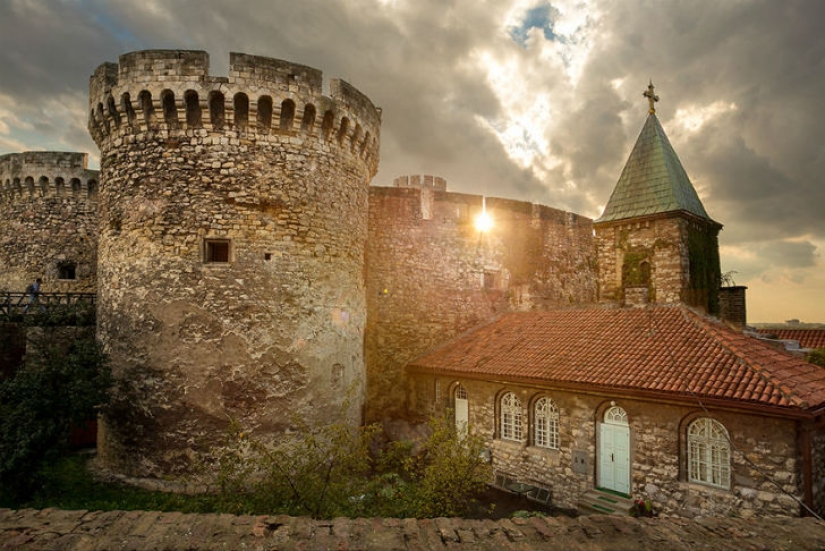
57	530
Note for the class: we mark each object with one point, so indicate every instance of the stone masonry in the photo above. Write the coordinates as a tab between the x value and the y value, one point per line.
48	221
30	530
233	215
658	461
432	275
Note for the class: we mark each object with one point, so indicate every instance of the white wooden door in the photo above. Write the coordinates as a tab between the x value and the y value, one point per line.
614	458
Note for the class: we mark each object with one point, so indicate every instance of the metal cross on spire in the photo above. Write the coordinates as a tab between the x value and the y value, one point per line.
651	97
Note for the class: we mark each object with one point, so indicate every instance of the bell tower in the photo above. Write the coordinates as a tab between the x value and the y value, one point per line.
655	241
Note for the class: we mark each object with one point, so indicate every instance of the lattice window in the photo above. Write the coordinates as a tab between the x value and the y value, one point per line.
708	453
615	416
460	392
511	426
546	424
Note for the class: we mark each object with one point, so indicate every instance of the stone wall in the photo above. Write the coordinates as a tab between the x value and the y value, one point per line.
432	275
675	257
233	220
48	221
818	469
657	443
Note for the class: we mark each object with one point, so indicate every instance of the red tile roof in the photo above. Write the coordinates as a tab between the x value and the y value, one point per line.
663	349
808	338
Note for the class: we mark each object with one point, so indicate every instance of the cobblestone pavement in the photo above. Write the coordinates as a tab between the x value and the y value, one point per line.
52	529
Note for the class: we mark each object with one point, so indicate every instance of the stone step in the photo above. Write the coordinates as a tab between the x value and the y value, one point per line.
597	502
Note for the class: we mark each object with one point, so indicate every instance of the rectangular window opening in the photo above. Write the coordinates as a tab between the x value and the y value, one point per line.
216	251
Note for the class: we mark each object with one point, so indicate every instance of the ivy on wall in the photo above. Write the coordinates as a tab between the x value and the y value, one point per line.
705	270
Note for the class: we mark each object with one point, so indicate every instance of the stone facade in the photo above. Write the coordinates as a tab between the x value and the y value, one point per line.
764	448
48	221
432	275
233	216
659	259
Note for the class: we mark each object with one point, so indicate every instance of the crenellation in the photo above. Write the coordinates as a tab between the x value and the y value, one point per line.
262	98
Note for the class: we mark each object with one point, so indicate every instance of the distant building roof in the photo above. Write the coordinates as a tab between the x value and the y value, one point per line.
653	180
656	350
807	338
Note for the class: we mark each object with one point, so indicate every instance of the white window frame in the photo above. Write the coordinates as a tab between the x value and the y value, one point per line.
708	447
511	417
546	424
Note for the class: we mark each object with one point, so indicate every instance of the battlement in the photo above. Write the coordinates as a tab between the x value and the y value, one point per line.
421	181
45	173
169	94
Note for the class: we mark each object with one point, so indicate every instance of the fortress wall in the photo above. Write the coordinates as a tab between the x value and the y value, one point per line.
48	221
431	275
233	226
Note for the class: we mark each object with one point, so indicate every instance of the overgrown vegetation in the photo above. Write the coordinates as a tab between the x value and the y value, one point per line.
58	386
817	357
337	471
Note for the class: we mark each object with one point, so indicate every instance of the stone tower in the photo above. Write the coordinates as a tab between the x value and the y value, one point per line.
655	241
48	221
233	223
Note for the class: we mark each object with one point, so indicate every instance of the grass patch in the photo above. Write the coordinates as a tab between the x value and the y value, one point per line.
68	484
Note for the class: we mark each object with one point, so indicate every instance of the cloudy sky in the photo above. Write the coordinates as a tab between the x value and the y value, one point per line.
525	99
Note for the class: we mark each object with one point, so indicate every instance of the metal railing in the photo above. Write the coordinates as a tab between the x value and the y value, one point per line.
52	308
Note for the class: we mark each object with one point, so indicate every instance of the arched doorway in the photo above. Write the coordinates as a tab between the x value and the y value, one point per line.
614	451
462	410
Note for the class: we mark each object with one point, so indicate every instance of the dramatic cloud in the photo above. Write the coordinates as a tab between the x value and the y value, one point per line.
527	99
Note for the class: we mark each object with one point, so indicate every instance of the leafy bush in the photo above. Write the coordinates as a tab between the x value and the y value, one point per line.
331	472
817	357
57	387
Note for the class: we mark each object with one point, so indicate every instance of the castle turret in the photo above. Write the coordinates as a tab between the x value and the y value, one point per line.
233	226
48	221
656	243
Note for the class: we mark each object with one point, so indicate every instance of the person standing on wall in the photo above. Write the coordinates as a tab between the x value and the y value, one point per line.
33	291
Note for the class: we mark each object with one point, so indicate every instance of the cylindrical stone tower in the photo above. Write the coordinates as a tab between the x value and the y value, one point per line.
231	251
48	221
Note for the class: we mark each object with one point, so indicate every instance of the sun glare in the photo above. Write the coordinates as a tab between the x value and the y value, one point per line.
484	222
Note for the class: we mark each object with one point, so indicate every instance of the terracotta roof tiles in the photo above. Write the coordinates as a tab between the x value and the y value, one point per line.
807	338
664	348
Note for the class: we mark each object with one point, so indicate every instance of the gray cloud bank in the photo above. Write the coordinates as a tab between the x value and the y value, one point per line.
524	99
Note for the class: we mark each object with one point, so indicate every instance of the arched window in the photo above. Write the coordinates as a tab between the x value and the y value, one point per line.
342	130
126	104
44	185
329	122
101	118
546	424
615	416
110	105
75	183
241	107
145	101
308	120
264	114
170	110
708	449
193	109
59	186
462	410
216	110
355	137
510	417
287	115
30	185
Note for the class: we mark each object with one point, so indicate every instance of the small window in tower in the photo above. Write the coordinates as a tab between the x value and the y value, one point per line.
66	270
491	279
216	251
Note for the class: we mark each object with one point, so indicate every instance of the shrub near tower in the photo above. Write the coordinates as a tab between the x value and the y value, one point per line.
233	220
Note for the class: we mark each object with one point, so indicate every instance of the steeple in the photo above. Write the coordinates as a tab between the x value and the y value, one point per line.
655	241
653	180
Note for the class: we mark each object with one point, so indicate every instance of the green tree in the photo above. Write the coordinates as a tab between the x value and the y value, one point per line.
55	388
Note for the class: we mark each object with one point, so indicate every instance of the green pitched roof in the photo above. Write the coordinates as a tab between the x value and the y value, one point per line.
653	180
